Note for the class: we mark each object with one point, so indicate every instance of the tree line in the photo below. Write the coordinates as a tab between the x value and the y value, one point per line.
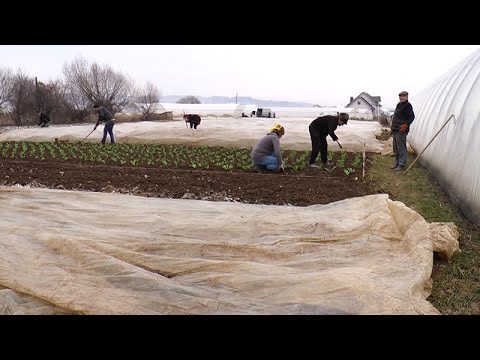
69	100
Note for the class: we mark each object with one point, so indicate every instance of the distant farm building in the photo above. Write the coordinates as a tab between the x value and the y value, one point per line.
257	111
249	110
366	104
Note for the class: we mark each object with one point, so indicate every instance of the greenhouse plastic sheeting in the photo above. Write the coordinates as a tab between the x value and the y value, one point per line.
452	156
73	252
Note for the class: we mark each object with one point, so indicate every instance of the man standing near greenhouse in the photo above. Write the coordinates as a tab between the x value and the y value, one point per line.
105	115
401	120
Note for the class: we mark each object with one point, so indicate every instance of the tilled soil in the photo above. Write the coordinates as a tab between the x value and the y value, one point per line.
301	188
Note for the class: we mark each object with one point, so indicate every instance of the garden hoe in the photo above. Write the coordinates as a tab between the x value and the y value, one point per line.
87	136
186	125
341	147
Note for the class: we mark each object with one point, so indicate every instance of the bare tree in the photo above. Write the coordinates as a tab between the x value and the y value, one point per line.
99	84
22	99
6	80
76	105
55	99
146	99
190	99
48	96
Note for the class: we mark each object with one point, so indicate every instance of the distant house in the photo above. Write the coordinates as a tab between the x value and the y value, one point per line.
366	102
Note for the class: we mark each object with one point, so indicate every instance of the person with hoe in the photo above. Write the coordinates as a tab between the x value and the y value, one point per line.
193	119
319	129
105	115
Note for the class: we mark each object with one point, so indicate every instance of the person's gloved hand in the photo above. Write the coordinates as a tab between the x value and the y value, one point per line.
403	128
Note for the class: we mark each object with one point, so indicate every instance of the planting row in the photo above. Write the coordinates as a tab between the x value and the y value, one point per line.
164	156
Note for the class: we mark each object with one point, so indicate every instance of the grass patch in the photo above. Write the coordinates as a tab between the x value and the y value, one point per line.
456	283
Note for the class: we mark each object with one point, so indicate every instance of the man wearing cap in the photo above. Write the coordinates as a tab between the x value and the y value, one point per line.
401	120
319	129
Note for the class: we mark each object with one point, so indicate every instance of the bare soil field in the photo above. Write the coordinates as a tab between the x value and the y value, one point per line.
298	188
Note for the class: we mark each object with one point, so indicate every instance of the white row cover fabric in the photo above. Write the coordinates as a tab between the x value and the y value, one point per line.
452	157
236	110
313	112
218	110
105	253
243	133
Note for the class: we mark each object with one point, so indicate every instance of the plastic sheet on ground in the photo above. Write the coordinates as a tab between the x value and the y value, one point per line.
78	252
228	132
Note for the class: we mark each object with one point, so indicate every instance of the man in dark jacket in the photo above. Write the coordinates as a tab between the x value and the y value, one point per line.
401	120
105	115
193	119
43	119
319	129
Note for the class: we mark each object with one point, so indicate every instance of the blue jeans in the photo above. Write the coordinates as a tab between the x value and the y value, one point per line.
108	129
400	147
270	162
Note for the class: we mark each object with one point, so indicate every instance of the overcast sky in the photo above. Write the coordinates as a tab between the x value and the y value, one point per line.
317	74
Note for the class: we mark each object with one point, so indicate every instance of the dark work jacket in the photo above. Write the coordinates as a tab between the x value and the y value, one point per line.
193	118
43	119
104	114
324	125
403	115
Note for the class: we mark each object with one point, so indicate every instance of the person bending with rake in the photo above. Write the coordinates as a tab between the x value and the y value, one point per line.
105	115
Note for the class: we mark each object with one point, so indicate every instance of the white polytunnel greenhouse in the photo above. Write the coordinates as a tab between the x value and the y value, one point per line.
288	112
446	133
313	112
214	110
